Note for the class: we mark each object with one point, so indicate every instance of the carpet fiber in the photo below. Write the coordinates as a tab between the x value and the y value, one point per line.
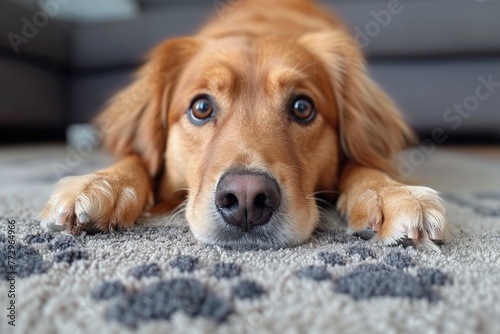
157	278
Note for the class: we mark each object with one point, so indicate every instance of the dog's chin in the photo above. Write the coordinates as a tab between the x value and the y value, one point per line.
273	235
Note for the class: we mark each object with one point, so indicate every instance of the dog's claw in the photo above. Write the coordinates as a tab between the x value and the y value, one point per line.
365	234
62	218
54	227
435	234
413	233
83	218
375	225
406	242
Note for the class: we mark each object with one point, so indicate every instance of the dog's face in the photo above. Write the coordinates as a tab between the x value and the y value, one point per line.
251	130
252	137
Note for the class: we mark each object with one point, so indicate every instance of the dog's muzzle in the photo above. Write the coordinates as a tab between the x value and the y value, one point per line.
247	199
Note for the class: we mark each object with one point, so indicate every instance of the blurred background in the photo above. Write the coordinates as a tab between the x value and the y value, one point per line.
60	60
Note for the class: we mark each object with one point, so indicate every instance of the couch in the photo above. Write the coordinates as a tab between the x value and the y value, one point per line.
439	60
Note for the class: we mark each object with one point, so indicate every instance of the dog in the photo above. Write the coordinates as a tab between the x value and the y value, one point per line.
248	126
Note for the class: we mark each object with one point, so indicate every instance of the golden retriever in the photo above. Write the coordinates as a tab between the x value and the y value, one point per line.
247	125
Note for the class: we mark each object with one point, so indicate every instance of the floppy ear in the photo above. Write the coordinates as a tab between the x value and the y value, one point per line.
136	119
371	129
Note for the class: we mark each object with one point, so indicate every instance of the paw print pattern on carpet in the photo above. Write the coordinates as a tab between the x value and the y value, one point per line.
382	279
359	272
399	260
363	252
70	255
432	276
162	299
146	270
185	263
39	238
247	289
108	290
317	273
65	248
226	270
332	258
159	301
62	242
378	280
27	260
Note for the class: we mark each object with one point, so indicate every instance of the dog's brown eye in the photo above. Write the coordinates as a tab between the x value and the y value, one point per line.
201	110
303	110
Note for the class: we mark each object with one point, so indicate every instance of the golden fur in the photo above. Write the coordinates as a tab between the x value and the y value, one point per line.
251	61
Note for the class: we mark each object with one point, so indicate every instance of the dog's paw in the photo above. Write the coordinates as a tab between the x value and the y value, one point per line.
92	202
397	212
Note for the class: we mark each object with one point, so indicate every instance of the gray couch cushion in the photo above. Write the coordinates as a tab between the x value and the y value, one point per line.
453	95
31	96
32	33
89	93
128	42
414	29
444	27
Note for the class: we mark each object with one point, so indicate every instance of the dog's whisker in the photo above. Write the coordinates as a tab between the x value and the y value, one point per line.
336	192
301	169
323	201
176	212
316	199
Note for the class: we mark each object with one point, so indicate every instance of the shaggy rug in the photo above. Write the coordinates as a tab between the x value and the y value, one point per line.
156	278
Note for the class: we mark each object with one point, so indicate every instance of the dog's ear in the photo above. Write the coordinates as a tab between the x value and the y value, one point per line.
135	120
371	129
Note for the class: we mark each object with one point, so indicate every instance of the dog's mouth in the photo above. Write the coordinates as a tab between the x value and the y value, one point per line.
275	234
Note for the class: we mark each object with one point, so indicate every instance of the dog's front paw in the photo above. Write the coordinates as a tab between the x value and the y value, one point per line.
96	201
396	212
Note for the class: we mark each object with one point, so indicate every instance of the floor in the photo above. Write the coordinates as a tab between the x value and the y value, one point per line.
447	169
459	169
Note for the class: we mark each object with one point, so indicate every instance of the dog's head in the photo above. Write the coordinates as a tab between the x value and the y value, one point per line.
252	130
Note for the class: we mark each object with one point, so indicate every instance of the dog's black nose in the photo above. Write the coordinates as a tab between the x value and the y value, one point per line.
247	199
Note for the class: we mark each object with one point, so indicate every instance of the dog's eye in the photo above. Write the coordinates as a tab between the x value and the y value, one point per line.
303	109
201	110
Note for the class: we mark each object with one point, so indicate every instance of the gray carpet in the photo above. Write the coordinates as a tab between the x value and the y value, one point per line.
157	278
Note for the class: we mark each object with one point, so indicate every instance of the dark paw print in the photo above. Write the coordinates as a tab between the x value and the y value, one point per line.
226	270
108	290
62	242
399	260
332	258
70	255
246	289
389	279
40	238
27	261
146	270
433	276
65	247
317	273
363	252
161	300
185	263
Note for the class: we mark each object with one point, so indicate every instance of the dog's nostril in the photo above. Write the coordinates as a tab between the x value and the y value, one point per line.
247	199
260	201
228	201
